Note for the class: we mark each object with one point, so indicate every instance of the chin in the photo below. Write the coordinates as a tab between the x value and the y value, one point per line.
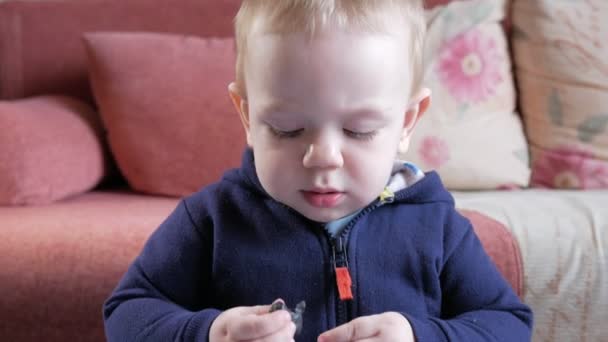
319	216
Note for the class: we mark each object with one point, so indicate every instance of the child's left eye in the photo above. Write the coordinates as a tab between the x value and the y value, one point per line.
361	135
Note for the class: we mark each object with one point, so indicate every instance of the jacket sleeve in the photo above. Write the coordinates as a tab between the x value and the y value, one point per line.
164	296
478	304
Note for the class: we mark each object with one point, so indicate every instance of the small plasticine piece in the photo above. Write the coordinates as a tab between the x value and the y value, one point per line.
296	314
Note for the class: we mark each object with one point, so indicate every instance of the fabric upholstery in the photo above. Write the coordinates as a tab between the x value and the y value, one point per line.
564	99
59	262
435	3
40	41
51	147
500	245
471	133
164	101
564	247
506	23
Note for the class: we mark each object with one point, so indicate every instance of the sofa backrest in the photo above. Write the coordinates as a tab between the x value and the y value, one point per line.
41	50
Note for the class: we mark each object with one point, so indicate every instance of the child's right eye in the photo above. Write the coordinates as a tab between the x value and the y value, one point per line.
285	134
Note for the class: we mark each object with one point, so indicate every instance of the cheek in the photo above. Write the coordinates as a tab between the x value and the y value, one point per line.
268	164
274	168
371	167
372	164
256	133
268	173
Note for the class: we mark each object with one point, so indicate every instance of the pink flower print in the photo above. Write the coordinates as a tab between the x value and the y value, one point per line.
434	152
570	168
469	66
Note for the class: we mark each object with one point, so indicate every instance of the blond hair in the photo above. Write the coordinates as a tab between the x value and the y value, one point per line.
313	16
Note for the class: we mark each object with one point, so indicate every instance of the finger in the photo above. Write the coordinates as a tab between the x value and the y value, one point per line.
252	324
283	335
355	330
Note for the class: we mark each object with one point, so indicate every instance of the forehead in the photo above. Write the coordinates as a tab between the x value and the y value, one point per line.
332	66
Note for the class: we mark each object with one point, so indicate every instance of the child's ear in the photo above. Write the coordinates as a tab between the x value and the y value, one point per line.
418	105
240	103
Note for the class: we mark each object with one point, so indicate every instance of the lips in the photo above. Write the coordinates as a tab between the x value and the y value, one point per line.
323	198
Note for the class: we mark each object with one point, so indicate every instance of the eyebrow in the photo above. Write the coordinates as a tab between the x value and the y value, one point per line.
371	112
275	106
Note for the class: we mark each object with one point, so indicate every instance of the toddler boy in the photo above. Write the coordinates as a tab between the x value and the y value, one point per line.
329	91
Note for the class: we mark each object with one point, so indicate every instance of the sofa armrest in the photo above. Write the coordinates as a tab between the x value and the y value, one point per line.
501	246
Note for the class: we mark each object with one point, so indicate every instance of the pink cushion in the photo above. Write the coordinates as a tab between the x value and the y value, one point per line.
471	133
50	148
506	22
40	41
501	246
165	104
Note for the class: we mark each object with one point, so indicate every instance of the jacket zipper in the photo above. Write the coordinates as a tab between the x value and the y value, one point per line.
340	264
339	261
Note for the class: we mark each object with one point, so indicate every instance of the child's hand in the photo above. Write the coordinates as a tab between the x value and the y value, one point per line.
252	323
389	326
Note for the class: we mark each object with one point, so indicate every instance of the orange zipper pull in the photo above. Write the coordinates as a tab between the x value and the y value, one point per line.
344	283
343	279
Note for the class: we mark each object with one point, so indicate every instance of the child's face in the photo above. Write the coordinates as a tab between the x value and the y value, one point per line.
325	117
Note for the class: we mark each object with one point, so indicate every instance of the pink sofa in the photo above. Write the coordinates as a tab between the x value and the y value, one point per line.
59	260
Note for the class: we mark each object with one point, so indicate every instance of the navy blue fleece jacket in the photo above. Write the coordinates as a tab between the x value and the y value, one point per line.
232	245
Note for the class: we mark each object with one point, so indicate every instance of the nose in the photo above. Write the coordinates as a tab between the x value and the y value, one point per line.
323	155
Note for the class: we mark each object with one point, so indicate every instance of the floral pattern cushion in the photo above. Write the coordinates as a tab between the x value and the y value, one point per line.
561	54
471	134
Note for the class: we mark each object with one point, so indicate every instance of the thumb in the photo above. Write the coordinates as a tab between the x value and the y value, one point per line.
257	309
